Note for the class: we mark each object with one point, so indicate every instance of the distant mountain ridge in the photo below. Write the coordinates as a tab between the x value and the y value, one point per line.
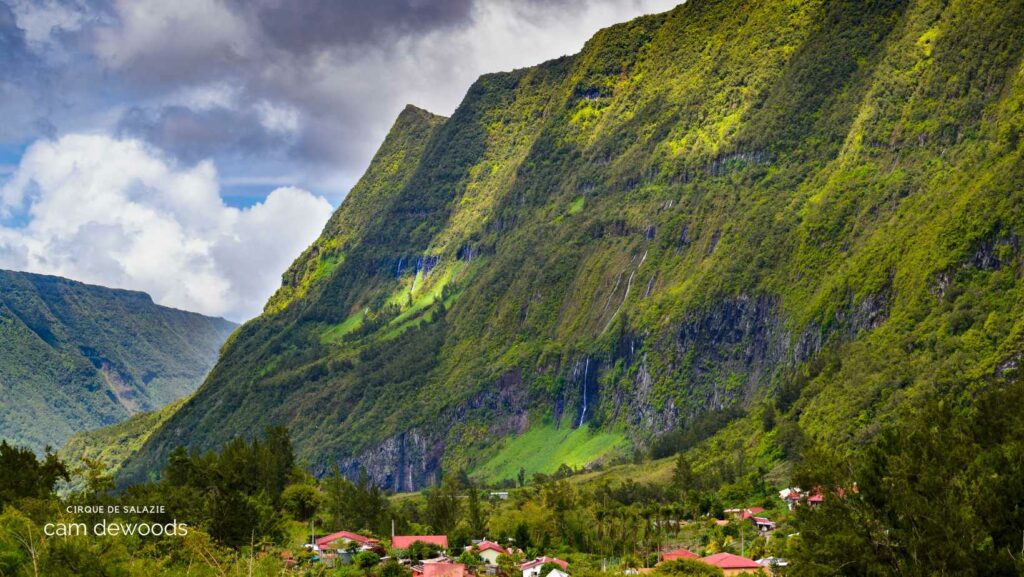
75	356
801	209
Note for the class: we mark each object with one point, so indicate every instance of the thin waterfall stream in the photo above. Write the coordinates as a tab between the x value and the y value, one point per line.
583	413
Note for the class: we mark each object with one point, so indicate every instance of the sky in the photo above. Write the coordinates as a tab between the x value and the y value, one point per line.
193	148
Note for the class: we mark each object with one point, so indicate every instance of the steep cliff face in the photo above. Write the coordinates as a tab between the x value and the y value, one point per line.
684	218
75	357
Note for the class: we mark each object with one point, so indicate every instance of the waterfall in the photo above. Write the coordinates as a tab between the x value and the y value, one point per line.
398	273
583	413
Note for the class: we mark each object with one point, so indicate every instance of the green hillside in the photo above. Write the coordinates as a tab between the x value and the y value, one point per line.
75	357
111	446
801	213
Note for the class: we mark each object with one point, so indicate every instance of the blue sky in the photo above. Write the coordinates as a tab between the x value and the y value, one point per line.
122	116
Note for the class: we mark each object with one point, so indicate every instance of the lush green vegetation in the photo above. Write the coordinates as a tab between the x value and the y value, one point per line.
108	448
543	449
939	493
75	357
740	231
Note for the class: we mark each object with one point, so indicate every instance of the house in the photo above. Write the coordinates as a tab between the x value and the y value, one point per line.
750	512
489	551
744	514
406	541
500	495
794	496
532	568
557	573
433	568
732	564
680	553
763	524
791	496
344	539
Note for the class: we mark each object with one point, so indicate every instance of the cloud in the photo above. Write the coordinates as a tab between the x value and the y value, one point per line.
146	114
117	213
310	87
194	134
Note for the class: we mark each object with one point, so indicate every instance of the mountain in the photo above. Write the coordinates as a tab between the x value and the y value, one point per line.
111	446
798	211
75	356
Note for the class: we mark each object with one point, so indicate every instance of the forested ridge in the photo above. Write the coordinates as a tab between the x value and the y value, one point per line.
75	357
810	208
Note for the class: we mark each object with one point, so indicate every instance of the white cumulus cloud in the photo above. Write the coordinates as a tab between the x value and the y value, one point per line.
118	213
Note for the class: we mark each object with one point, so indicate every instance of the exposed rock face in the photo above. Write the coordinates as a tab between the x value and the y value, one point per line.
415	458
403	462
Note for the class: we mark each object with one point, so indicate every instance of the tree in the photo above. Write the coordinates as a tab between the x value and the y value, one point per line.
366	559
938	492
471	559
362	504
392	568
687	568
22	475
443	507
97	482
476	517
301	501
508	565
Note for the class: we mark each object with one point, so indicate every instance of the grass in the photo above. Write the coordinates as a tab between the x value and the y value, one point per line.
544	448
334	333
577	205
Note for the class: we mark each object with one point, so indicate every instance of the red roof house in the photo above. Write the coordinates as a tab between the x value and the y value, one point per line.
751	512
444	570
327	540
732	564
679	554
406	541
489	551
491	546
532	568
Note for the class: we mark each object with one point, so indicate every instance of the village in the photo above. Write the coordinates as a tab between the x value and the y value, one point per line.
434	555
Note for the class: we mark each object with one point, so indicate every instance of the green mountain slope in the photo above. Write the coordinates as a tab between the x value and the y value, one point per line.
75	357
816	204
112	445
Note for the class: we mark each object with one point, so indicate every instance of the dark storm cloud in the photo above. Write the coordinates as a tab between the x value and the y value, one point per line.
194	135
343	68
301	26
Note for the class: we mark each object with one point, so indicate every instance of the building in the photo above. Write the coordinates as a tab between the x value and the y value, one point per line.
489	551
763	524
732	564
344	539
439	569
791	496
744	514
557	573
532	568
680	553
406	541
